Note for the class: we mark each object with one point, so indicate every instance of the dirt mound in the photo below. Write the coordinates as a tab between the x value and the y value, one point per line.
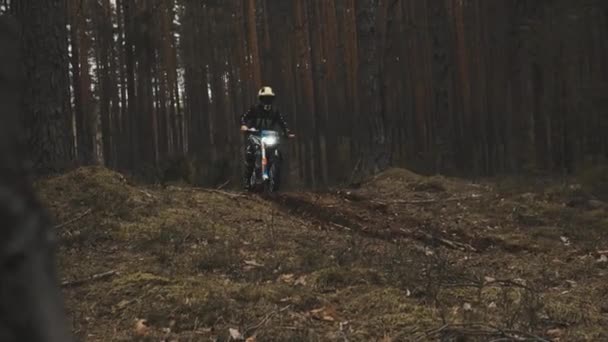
91	188
399	182
90	205
393	175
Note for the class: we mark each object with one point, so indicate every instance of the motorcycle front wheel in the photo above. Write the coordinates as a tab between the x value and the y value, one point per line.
253	183
273	183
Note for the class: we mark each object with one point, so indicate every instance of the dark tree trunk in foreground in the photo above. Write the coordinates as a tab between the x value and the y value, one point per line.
30	300
46	97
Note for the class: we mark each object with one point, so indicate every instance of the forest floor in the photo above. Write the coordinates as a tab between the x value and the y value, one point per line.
401	258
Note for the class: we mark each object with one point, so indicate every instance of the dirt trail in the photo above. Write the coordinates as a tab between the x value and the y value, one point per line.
402	258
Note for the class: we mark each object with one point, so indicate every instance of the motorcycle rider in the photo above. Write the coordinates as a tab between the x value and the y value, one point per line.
262	116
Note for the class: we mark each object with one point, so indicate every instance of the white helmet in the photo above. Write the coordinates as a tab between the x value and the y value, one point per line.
266	97
266	91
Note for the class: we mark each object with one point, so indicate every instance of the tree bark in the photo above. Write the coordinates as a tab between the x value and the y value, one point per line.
46	100
371	128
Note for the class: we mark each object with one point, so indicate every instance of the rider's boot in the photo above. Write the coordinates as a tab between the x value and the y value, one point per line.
247	176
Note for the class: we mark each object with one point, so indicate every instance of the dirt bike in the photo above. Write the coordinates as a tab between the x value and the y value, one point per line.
266	175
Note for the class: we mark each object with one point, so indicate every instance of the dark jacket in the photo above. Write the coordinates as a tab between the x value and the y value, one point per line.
258	118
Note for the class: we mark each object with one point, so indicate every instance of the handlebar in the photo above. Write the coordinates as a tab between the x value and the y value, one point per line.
248	129
255	130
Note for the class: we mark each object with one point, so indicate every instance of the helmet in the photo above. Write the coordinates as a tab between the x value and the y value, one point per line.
266	97
266	91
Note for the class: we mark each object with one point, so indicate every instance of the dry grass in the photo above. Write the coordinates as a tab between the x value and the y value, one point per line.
370	264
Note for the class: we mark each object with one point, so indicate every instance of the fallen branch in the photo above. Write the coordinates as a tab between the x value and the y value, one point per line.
436	331
302	222
457	245
223	185
448	243
531	337
430	201
149	195
354	171
85	213
265	319
493	283
94	277
478	329
213	191
340	226
224	193
509	282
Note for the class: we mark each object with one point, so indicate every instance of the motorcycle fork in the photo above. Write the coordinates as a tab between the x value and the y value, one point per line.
264	163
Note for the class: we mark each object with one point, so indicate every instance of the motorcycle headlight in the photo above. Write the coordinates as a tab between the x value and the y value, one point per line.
269	141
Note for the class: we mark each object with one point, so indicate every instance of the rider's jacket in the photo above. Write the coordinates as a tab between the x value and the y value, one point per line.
257	117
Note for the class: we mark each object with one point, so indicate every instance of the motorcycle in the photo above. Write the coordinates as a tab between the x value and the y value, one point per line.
266	175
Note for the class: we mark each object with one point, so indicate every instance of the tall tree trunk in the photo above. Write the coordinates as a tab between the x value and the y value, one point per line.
46	100
131	122
307	94
169	66
163	134
123	121
370	34
103	22
254	52
79	98
115	116
144	116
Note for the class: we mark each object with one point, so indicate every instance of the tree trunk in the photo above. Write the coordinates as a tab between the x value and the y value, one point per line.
371	128
103	23
253	44
131	122
46	100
